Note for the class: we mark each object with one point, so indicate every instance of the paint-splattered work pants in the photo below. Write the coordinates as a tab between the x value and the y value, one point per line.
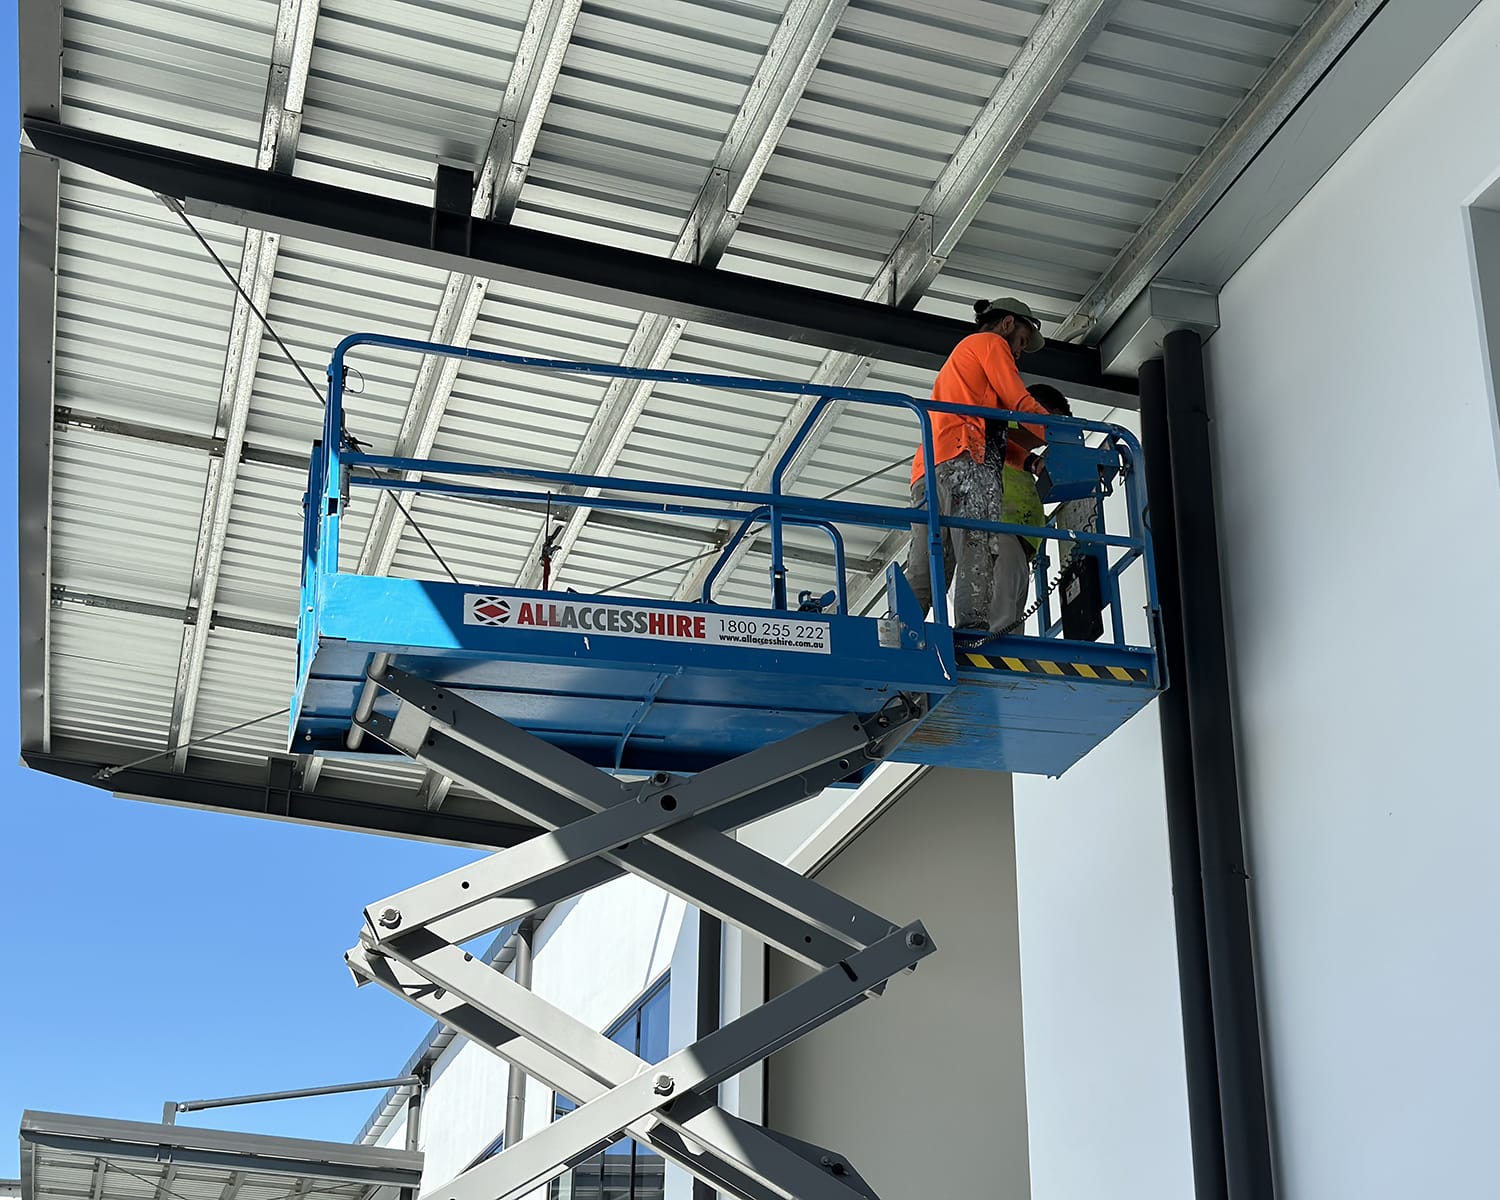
988	572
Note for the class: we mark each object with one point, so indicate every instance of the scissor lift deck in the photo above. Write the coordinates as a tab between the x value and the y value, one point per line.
633	701
637	735
1032	709
686	701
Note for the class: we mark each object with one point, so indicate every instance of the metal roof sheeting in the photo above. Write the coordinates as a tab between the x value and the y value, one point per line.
645	96
90	1158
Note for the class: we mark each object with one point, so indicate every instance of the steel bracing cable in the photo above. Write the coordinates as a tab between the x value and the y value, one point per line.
109	772
177	207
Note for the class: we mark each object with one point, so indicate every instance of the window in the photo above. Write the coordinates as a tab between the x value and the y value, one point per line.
627	1170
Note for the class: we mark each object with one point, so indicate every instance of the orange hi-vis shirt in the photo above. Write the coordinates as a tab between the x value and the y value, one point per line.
981	371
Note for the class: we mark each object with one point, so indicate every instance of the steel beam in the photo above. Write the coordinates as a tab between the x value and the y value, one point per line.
65	417
36	254
1039	72
523	107
789	62
39	46
497	188
337	803
1297	69
335	1089
63	596
547	262
281	123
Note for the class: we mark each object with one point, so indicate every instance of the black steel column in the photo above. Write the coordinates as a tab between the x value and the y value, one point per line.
1205	673
710	1001
1205	1118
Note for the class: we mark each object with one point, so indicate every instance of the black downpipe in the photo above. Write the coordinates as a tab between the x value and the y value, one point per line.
710	1001
1205	672
1205	1118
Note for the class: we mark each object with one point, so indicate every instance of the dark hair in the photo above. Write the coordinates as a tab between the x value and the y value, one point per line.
1051	399
985	316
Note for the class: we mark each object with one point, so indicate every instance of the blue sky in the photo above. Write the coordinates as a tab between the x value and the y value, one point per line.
154	953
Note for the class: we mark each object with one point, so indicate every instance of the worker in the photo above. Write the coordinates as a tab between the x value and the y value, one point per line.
980	371
1014	453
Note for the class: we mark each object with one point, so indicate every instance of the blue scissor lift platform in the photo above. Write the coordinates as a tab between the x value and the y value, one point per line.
644	731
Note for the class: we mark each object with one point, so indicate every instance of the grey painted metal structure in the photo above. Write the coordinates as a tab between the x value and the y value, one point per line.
607	126
172	1107
673	832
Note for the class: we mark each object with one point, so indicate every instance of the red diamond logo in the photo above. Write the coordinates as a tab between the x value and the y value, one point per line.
491	610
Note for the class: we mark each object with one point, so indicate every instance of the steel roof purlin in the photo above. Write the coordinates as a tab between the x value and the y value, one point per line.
795	51
291	56
1296	71
528	92
497	187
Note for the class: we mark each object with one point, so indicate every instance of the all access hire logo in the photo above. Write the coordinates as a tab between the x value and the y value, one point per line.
489	610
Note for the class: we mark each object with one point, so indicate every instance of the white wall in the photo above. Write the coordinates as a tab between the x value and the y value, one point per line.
1105	1080
463	1111
1359	515
924	1087
1106	1088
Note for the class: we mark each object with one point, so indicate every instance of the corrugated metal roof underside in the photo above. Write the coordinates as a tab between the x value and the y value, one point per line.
63	1176
1155	87
186	76
647	91
81	1158
646	95
394	86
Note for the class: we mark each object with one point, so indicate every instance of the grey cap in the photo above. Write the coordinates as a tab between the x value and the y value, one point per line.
1019	308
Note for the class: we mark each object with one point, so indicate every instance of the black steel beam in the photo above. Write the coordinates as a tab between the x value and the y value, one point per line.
586	271
1205	1115
1204	673
276	793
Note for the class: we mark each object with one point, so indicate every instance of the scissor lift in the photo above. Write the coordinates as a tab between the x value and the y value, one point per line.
637	736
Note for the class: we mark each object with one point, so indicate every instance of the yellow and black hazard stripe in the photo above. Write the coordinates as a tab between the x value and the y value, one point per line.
1042	666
